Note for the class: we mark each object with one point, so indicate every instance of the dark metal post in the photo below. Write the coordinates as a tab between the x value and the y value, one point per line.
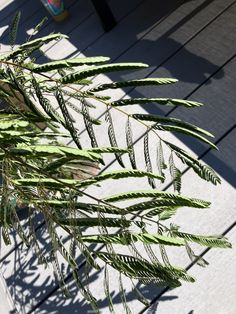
105	14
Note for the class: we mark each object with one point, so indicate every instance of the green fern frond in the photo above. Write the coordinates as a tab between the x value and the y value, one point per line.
156	212
56	151
160	160
90	71
108	150
139	295
173	128
159	203
134	83
107	290
157	194
37	27
175	121
165	213
151	255
204	171
46	183
42	40
123	296
58	204
45	104
164	255
134	267
68	122
148	160
26	100
160	101
195	258
129	141
58	274
14	28
92	222
10	123
85	291
119	174
175	174
127	239
68	63
89	126
32	45
64	252
76	109
112	137
209	241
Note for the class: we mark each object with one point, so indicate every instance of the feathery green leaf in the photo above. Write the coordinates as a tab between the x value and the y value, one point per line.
112	137
67	63
13	28
159	203
42	40
134	267
160	160
205	240
108	150
165	213
193	257
129	141
204	171
45	104
92	222
118	174
125	239
88	125
173	128
107	290
148	160
68	121
177	122
193	202
57	151
123	296
90	71
87	207
32	45
175	174
160	101
134	83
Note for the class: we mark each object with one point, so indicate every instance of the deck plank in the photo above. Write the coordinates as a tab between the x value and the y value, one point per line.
6	305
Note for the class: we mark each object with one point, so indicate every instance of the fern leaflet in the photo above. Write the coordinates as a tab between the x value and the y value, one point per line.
13	28
112	137
175	174
148	160
129	141
89	125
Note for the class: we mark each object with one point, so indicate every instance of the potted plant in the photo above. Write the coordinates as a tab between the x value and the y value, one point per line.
40	172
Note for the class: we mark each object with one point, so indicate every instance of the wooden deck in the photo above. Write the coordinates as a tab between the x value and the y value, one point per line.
194	41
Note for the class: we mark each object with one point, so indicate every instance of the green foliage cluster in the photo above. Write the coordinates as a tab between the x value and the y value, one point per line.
48	177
